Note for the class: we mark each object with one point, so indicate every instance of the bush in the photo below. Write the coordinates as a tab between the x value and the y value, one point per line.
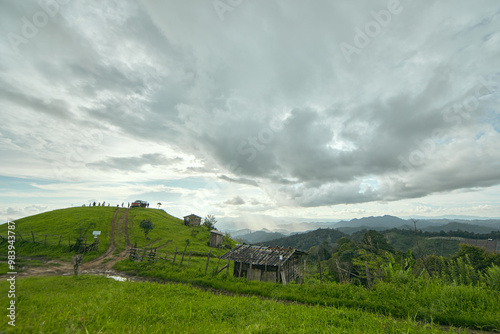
493	277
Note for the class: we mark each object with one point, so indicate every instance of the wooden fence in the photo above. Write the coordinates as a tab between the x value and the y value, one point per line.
81	245
153	255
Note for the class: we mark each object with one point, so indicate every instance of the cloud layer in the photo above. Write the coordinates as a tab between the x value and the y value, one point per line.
261	101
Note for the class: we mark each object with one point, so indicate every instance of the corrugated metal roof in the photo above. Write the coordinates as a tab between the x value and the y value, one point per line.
260	255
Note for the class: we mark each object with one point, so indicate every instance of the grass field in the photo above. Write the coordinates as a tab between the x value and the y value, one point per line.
422	299
148	308
91	304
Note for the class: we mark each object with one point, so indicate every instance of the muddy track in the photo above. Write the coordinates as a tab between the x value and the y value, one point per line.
105	262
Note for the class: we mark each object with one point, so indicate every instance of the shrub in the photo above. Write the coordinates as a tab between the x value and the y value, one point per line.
493	277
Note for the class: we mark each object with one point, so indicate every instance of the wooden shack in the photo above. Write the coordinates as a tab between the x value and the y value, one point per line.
216	238
192	220
272	264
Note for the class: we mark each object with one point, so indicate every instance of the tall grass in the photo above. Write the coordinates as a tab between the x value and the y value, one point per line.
89	304
421	298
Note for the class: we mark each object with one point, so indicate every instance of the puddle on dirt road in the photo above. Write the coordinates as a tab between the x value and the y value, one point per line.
118	278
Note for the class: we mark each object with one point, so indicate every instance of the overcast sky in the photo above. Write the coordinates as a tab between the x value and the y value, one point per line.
253	111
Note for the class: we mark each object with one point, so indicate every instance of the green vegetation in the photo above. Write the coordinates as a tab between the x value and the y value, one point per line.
209	222
54	231
89	304
305	241
402	295
364	276
146	225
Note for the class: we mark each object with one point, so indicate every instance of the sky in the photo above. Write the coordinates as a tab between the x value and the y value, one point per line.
257	112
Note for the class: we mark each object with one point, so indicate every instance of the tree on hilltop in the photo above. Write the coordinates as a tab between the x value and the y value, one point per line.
209	222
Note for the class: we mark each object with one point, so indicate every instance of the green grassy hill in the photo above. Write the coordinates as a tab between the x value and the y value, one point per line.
55	231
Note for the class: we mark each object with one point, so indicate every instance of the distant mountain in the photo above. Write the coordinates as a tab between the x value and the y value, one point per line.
239	233
305	241
260	236
380	223
431	225
373	222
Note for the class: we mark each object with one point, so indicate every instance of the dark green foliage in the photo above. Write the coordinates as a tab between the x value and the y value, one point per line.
209	222
146	225
305	241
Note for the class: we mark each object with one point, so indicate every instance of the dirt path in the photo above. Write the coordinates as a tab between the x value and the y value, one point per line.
107	260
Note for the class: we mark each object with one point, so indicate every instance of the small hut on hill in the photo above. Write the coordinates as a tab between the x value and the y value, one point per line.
216	238
272	264
192	220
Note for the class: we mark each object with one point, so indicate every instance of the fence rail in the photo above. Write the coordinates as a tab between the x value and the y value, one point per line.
81	245
152	255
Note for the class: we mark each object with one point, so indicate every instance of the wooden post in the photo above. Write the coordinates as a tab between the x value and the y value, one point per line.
368	278
208	259
182	259
228	263
33	236
239	271
175	254
143	254
189	259
319	266
249	275
341	274
165	260
217	268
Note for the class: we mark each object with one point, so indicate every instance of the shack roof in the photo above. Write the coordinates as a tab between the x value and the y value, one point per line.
261	255
192	215
216	232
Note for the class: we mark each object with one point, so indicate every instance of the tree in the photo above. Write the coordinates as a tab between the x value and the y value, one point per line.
146	225
209	222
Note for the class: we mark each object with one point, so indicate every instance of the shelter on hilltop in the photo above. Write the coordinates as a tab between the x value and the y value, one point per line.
259	263
216	238
192	220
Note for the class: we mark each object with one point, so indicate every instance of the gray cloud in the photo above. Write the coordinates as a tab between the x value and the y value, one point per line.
239	180
235	201
281	108
134	164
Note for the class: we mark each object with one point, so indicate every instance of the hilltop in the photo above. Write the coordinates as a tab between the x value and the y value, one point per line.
55	231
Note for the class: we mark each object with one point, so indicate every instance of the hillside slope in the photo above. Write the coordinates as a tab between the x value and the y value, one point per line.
55	231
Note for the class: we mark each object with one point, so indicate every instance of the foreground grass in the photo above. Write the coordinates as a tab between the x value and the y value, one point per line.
421	299
90	304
